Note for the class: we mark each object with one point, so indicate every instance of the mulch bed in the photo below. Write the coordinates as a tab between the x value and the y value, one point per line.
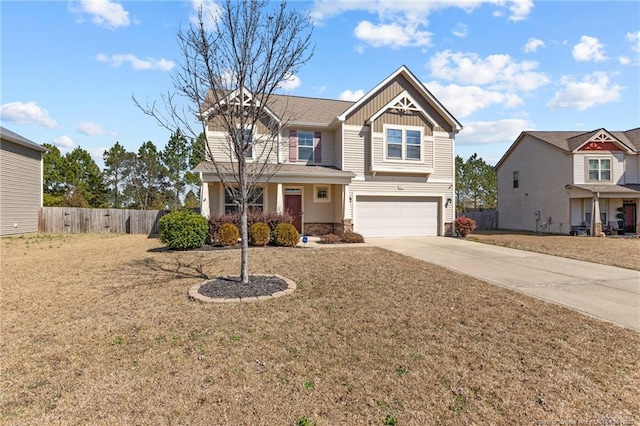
232	288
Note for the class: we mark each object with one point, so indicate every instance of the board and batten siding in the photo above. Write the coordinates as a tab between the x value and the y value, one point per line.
20	188
385	95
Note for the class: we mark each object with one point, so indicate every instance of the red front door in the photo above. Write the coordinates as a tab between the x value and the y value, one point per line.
293	206
629	217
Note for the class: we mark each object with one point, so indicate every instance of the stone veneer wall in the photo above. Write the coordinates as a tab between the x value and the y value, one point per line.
317	229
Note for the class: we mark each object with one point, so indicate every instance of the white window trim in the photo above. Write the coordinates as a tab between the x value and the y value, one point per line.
321	200
599	158
224	205
313	148
253	139
404	159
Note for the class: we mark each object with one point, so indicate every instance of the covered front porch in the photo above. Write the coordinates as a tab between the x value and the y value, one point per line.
599	210
317	197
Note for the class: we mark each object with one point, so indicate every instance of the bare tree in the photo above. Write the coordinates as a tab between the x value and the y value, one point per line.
229	74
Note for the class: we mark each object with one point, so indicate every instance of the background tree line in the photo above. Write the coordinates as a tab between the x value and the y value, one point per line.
476	185
146	179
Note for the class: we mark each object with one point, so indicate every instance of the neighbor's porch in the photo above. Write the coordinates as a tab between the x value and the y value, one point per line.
617	206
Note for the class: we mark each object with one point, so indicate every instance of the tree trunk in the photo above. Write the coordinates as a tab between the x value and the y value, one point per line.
244	235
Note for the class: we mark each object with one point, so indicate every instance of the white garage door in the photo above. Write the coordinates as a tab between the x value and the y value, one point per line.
396	216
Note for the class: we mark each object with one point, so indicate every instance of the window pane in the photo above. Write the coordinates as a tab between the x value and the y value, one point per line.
394	136
394	151
413	152
593	175
413	137
593	164
305	139
322	192
305	153
605	175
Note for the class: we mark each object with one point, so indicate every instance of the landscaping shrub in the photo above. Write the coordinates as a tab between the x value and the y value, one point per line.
465	225
228	234
182	229
259	234
329	239
352	237
286	235
253	216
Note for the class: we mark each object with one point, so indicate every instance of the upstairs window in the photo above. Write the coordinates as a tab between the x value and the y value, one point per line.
516	179
305	146
245	136
599	169
403	143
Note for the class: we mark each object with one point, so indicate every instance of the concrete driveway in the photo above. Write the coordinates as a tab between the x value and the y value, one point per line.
605	292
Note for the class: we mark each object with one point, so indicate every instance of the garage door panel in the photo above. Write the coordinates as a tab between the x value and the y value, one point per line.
396	216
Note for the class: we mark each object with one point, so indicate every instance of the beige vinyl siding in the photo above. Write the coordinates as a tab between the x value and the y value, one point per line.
220	149
632	169
271	202
357	151
580	167
386	95
337	197
327	148
443	164
216	124
543	171
316	212
20	188
337	148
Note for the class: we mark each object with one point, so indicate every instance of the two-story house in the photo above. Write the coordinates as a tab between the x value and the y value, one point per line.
549	181
382	166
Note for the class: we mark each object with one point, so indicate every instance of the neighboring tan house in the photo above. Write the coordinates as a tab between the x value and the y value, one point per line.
20	183
382	166
549	181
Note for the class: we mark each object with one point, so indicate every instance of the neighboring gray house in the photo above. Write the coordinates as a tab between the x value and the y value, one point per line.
383	166
20	183
550	181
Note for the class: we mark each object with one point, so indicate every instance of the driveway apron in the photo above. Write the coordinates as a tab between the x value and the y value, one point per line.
605	292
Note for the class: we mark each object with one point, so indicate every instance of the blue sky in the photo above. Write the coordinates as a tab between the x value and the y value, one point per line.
69	69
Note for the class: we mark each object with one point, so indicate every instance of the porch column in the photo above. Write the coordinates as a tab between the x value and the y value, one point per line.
204	200
346	203
638	217
279	199
596	222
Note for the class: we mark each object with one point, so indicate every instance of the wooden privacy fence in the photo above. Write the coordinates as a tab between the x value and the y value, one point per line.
75	220
485	220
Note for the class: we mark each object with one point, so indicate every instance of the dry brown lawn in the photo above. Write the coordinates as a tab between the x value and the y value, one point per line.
614	251
99	330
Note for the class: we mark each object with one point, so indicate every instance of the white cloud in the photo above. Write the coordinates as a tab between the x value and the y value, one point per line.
210	13
463	101
533	44
594	89
325	9
492	132
91	129
589	49
290	82
103	12
497	71
460	30
624	60
351	95
25	113
136	63
634	39
98	155
394	35
65	143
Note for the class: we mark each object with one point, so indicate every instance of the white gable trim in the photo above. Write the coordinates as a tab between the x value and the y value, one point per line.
418	85
397	103
604	136
233	96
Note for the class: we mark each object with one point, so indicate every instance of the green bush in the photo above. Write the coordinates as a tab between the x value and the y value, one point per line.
352	237
182	229
329	239
228	235
286	235
259	234
271	219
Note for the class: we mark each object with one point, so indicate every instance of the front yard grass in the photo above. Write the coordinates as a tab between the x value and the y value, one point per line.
613	251
99	330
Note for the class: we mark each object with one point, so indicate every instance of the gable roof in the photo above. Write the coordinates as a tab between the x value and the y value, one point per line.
569	141
20	140
404	71
305	111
